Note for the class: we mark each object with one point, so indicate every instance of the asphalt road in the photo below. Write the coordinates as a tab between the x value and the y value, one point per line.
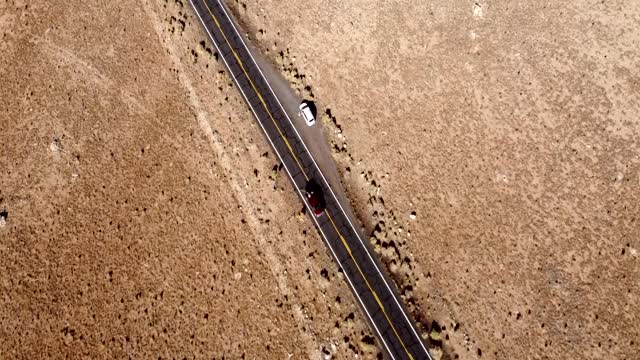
380	304
313	136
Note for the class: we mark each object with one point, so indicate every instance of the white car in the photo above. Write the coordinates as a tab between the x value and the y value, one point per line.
306	114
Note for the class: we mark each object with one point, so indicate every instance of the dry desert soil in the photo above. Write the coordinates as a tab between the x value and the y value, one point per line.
490	149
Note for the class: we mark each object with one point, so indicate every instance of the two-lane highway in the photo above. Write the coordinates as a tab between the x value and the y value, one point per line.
379	302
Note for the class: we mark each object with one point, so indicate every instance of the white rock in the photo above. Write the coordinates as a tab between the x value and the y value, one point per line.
477	10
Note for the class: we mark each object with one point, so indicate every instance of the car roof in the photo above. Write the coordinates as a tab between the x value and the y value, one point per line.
307	110
308	116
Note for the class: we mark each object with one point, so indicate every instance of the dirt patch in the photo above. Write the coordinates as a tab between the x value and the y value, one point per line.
142	212
492	153
489	150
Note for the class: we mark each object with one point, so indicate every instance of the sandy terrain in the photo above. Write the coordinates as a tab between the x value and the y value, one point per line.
140	213
492	151
511	132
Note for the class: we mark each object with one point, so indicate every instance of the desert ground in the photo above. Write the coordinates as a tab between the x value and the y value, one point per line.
490	150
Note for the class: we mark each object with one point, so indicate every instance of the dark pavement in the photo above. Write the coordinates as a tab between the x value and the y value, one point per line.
382	307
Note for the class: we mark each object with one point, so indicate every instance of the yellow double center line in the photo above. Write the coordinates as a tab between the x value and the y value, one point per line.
286	141
375	295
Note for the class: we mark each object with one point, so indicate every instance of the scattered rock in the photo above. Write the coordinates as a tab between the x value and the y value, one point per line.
436	353
477	10
56	145
368	348
4	216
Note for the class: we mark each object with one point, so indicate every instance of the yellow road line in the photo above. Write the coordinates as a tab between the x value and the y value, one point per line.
344	242
375	295
256	90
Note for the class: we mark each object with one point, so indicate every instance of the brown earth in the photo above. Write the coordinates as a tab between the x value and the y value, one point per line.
140	215
512	133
